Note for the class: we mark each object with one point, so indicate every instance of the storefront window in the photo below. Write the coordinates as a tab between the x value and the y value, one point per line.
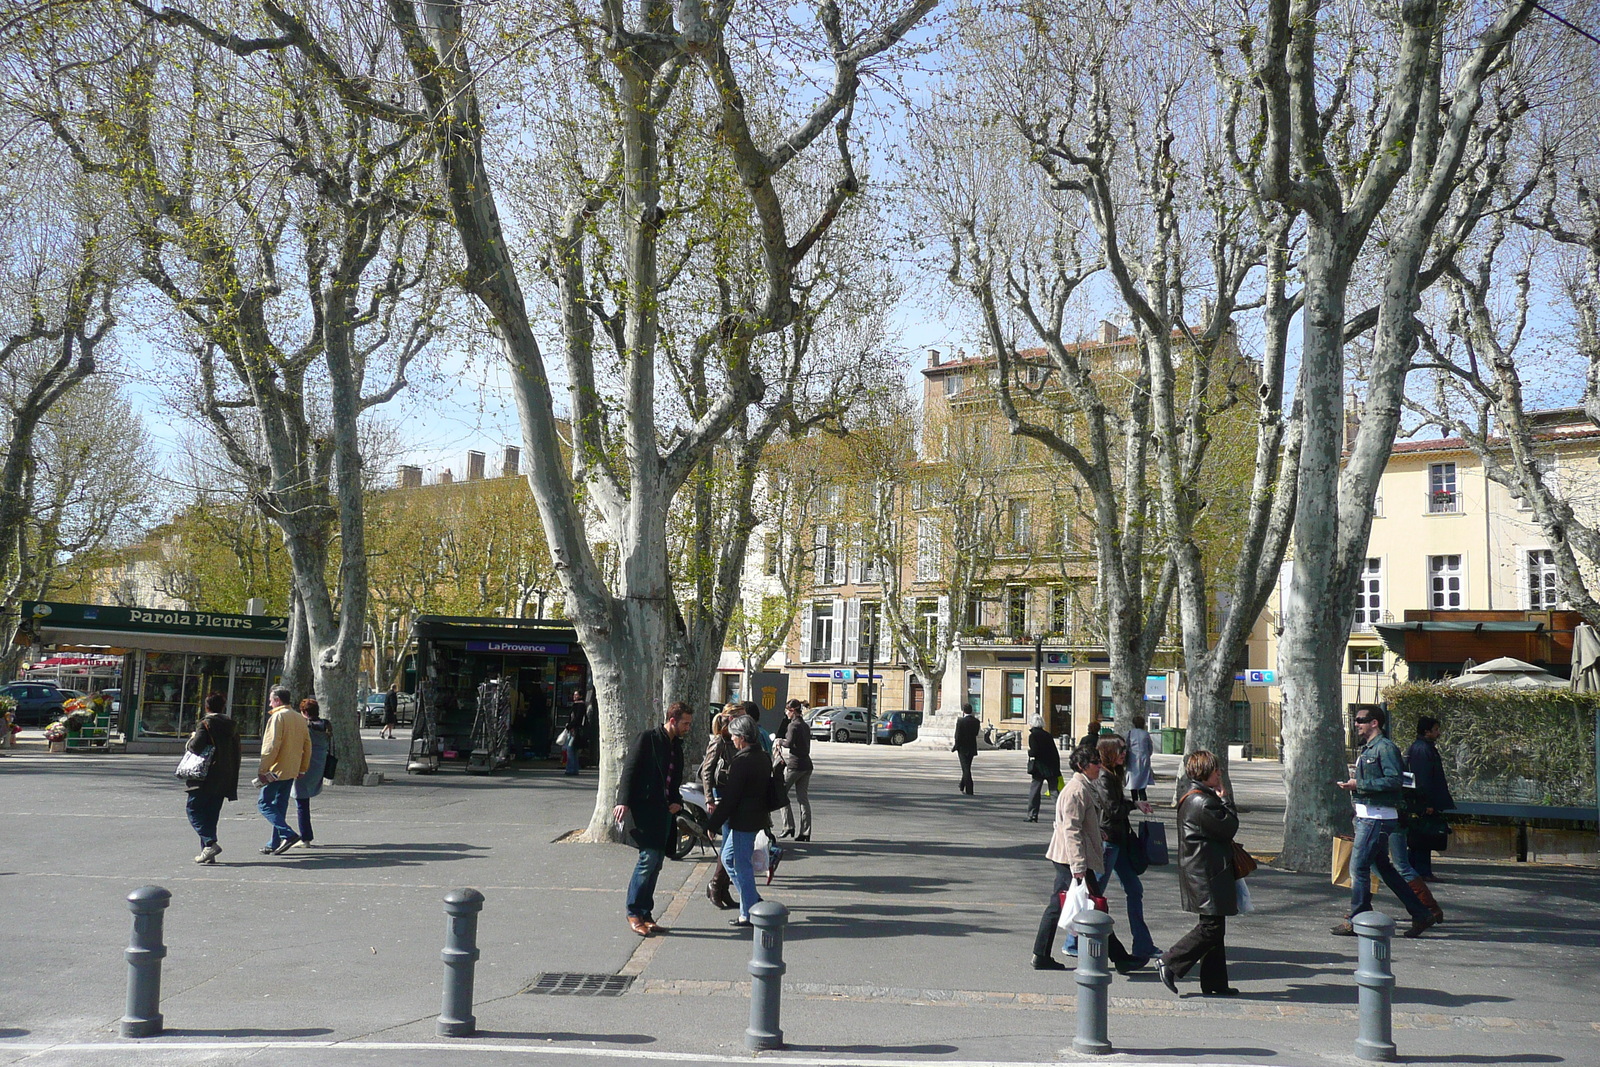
248	705
161	704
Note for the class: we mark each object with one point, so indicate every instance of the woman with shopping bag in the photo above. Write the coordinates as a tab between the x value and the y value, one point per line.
1207	878
1077	849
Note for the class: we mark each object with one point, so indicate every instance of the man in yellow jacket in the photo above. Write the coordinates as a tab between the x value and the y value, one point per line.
285	755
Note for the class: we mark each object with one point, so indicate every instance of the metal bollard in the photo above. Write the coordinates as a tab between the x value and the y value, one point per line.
766	976
144	956
1375	979
460	955
1094	980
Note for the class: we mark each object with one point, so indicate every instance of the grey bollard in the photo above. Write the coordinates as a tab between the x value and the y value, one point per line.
145	953
460	955
1375	979
766	976
1094	982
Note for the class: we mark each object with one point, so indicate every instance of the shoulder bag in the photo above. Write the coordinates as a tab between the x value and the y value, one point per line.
777	793
330	765
1244	864
194	766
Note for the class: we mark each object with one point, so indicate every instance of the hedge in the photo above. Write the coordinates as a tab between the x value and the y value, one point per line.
1503	745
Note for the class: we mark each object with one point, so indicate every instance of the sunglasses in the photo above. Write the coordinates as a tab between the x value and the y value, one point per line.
1363	722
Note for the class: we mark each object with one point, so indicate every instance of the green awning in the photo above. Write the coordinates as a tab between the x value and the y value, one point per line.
1394	633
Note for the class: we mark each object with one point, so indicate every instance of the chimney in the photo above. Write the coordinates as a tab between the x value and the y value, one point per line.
410	477
508	467
445	477
474	466
1108	331
933	357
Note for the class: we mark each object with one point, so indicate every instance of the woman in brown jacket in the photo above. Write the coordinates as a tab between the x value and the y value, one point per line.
714	769
1207	824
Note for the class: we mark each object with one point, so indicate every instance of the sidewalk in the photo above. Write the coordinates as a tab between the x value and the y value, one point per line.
911	919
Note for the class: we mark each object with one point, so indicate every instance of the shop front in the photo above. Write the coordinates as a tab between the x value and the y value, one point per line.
171	661
492	690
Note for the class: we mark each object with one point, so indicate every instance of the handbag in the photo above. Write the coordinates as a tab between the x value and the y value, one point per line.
1077	900
330	766
1138	859
1033	767
1244	864
1153	839
777	793
194	766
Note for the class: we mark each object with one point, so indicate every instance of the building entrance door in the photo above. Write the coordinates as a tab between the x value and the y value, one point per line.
1059	699
819	694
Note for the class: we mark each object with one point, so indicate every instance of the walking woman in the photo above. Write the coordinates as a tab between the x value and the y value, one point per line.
1116	809
1140	777
713	776
1044	765
309	784
743	807
1077	849
1207	824
217	732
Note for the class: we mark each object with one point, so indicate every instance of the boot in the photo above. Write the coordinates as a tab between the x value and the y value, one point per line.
720	889
1424	894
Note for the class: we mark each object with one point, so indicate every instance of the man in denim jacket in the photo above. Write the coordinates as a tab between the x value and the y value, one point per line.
1376	792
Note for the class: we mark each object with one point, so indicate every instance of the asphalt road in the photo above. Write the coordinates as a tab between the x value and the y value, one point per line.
911	918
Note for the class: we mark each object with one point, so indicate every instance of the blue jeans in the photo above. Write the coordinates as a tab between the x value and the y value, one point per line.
1371	849
572	756
1118	860
736	848
642	886
204	810
273	804
1400	855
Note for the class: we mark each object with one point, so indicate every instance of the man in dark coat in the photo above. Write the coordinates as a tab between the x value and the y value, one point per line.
651	777
966	745
1427	828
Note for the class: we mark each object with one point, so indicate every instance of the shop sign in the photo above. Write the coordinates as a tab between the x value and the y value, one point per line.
844	674
519	648
1257	677
154	620
1155	687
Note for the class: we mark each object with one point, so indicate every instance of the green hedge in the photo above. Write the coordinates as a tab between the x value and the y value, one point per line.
1503	745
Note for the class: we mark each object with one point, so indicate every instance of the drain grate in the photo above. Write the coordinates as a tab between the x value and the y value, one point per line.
570	984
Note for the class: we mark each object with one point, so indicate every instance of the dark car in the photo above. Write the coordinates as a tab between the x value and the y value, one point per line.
897	727
405	709
38	703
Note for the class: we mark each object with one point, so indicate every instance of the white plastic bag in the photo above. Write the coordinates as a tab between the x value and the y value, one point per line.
760	858
1246	905
1077	900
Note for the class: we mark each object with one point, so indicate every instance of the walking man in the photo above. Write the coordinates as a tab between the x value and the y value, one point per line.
966	745
285	756
391	711
795	743
651	778
1375	789
1428	827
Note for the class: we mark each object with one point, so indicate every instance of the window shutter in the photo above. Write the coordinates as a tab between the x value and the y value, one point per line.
856	554
1524	601
805	633
840	622
885	646
944	621
852	630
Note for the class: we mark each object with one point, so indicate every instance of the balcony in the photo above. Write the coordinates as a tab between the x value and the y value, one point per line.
1443	502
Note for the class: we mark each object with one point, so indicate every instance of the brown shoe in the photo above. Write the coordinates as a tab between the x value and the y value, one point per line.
654	928
1343	929
639	926
1419	925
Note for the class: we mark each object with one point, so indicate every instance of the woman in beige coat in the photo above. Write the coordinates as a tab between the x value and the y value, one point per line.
1077	849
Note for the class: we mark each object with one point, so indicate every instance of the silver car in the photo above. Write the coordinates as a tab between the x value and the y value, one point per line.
840	724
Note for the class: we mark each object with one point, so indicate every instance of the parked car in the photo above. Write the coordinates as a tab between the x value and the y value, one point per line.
71	694
897	727
372	711
840	724
38	703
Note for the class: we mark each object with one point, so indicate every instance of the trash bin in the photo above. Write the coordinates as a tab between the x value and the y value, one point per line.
1168	738
1180	735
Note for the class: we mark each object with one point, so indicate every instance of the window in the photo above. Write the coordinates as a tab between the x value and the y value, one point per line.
1014	695
1366	661
1542	594
1017	611
975	692
974	611
927	549
829	559
822	631
1446	583
1019	524
1442	499
928	624
1060	611
1105	706
952	384
769	550
1369	595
